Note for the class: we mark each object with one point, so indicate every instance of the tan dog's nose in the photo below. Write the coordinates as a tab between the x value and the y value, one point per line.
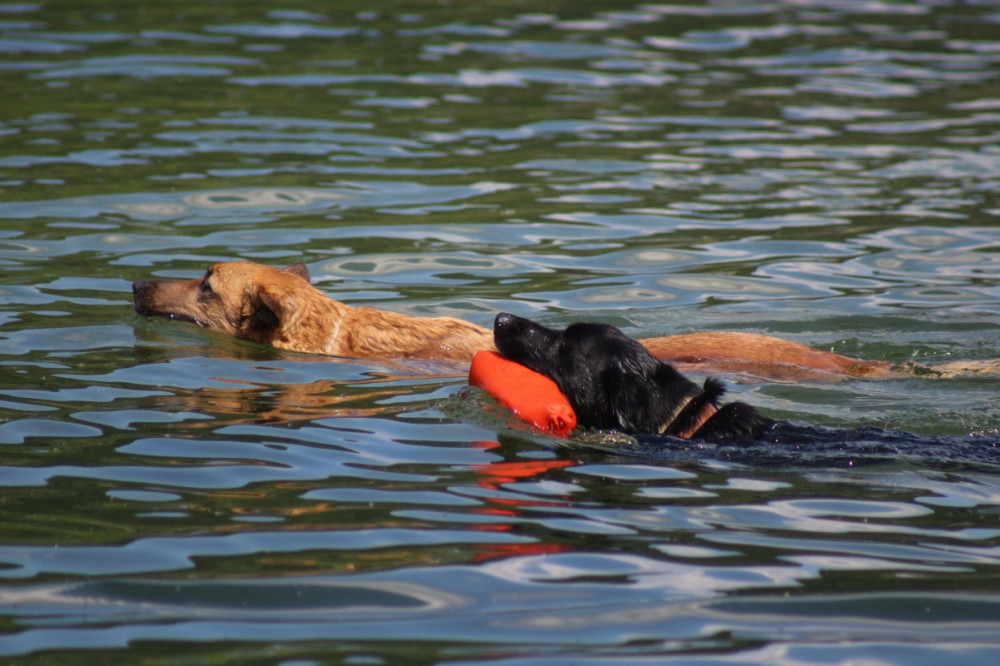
140	296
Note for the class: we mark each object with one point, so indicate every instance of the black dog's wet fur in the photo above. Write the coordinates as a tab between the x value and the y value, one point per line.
614	383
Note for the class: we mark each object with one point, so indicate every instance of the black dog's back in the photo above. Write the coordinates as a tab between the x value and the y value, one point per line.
614	383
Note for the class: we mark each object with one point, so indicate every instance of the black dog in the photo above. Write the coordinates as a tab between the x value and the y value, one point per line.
614	383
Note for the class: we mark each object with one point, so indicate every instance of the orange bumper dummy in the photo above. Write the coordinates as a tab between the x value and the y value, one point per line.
533	398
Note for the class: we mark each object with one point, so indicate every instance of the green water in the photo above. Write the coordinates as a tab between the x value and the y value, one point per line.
821	171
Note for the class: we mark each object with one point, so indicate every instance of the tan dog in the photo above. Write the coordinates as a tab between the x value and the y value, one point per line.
279	307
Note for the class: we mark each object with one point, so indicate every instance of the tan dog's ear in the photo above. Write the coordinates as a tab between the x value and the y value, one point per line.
270	309
298	268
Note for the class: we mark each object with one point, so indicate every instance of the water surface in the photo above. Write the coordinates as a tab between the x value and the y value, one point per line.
822	171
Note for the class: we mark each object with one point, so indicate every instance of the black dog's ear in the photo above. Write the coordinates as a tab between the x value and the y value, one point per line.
629	387
627	406
300	269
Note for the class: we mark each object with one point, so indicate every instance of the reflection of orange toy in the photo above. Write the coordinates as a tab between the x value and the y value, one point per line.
533	398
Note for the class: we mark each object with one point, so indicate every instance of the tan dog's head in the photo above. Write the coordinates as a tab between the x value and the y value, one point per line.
241	298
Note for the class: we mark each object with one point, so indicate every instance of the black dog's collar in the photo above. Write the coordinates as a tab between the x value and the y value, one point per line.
695	411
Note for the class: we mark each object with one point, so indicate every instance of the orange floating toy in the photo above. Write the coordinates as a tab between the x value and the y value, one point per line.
533	398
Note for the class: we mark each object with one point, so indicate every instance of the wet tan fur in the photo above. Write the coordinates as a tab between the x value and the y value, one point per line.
279	307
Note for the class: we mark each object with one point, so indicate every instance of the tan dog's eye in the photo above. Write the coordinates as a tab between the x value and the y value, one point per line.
205	288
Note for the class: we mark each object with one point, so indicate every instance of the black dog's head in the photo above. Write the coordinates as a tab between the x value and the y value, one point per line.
611	380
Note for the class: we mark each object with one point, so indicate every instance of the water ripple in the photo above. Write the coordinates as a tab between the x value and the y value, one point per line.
820	170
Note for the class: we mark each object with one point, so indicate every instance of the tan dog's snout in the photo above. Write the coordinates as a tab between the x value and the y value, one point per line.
141	292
